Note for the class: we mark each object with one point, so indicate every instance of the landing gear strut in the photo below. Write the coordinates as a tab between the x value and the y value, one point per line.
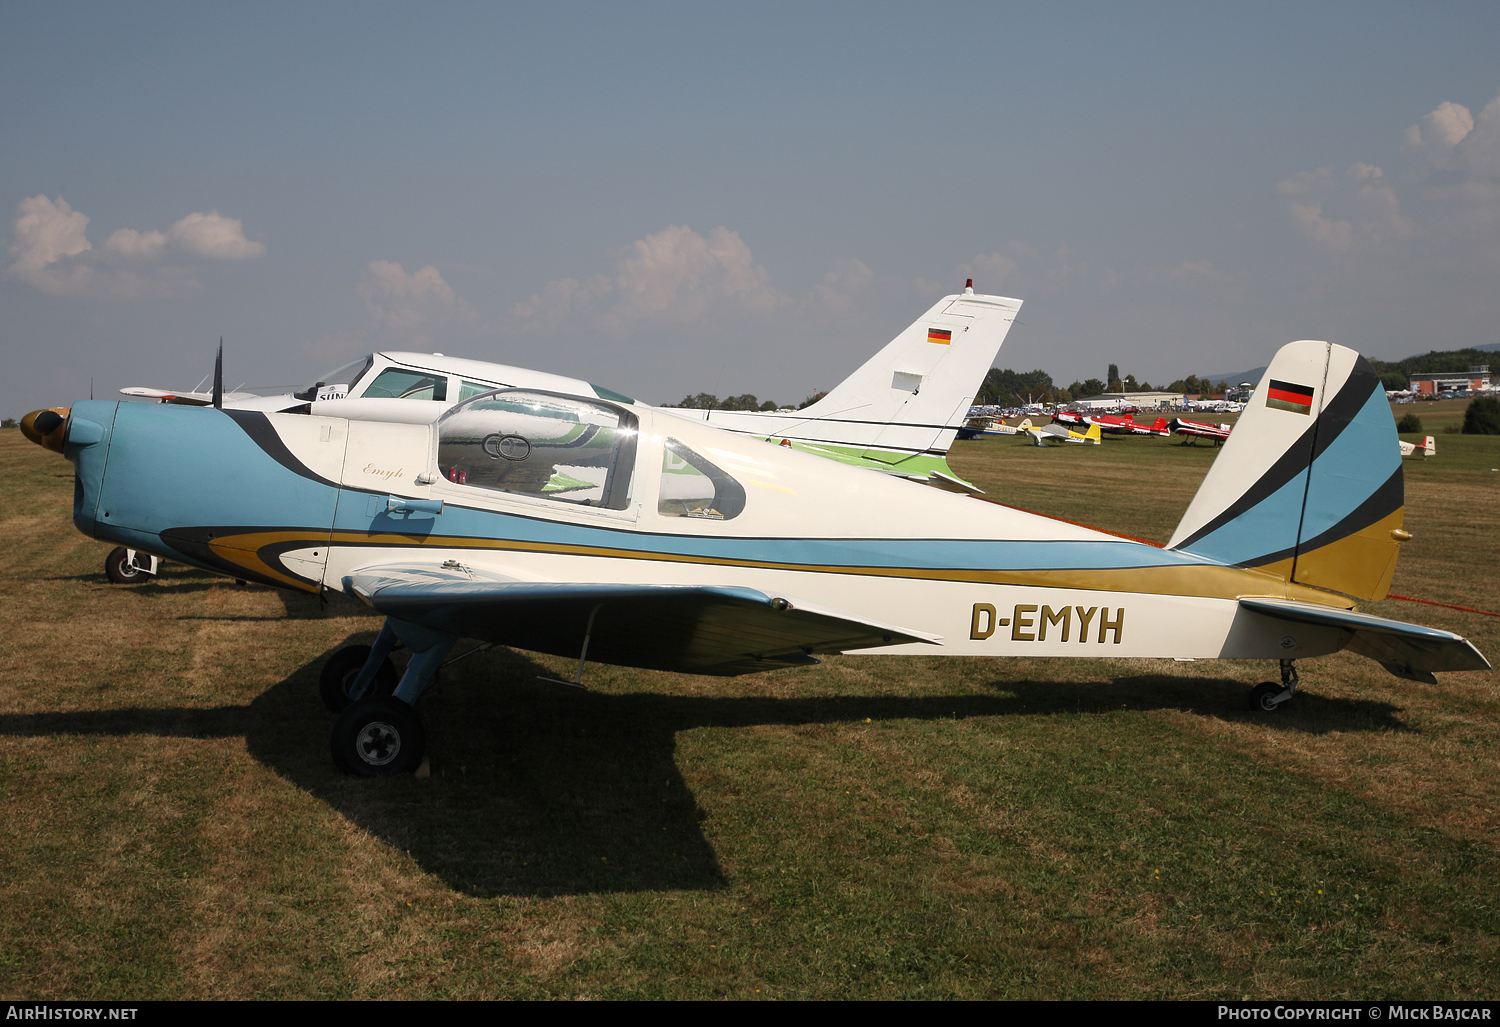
1268	696
376	734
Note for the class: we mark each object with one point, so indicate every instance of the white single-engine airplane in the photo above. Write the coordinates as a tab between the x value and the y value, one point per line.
899	412
595	529
1427	448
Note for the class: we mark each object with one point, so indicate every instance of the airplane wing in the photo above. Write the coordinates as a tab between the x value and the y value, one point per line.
697	629
1406	650
185	398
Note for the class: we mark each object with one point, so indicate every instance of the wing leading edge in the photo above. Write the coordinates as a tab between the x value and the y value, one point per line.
1406	650
698	629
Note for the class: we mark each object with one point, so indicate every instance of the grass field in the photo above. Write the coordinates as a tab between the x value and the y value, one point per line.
871	828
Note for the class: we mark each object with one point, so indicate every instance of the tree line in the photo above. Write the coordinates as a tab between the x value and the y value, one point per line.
708	401
1005	387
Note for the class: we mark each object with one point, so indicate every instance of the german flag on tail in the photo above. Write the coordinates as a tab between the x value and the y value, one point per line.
1287	396
940	336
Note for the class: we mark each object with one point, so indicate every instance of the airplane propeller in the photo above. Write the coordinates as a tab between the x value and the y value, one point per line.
219	376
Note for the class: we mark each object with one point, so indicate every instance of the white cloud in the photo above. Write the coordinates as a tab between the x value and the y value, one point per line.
46	232
1372	213
53	254
1454	197
1028	272
213	235
1195	272
1440	131
842	287
407	308
127	242
675	275
1479	151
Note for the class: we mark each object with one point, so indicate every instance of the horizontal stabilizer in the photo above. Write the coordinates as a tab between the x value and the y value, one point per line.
948	483
699	629
1406	650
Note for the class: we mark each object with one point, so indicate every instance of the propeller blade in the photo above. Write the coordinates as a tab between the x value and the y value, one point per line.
219	377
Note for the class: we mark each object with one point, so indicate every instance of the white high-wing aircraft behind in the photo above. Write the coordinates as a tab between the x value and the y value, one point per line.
899	412
597	529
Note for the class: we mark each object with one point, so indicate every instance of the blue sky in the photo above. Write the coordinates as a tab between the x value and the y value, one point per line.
670	198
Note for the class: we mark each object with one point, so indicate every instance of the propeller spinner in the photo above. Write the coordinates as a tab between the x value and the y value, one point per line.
47	428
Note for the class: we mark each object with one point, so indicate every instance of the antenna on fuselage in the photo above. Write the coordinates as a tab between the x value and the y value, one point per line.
219	376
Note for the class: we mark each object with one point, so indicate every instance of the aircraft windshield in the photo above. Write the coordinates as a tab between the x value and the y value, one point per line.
540	444
337	383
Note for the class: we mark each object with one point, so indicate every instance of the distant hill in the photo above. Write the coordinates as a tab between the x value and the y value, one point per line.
1251	376
1438	361
1434	362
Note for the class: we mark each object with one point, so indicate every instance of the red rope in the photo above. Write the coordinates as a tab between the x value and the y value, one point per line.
1446	606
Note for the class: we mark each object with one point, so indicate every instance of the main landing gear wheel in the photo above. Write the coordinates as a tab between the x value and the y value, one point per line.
341	670
378	738
119	570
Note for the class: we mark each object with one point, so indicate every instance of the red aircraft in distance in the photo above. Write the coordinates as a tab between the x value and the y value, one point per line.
1194	430
1117	424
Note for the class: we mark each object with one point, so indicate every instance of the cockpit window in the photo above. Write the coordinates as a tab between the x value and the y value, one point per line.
337	383
540	444
406	383
693	487
466	389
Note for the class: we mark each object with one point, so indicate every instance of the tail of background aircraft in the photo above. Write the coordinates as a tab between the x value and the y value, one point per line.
919	388
901	410
1309	484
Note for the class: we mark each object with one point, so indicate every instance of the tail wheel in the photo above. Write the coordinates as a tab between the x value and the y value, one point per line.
119	569
1263	697
343	667
378	738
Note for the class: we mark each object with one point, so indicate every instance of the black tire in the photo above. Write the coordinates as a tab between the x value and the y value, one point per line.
119	570
1262	694
378	738
341	670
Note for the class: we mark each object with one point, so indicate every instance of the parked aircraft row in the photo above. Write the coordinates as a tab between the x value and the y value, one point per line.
1114	424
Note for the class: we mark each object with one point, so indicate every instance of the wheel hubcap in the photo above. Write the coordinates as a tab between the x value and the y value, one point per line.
377	743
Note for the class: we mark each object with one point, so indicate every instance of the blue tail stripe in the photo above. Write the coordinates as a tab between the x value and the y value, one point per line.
1267	528
1348	472
1352	469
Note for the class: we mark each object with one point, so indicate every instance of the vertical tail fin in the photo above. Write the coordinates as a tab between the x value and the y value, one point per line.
901	410
912	396
1429	447
1309	484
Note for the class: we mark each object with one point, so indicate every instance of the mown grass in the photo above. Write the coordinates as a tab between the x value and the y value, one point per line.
872	827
